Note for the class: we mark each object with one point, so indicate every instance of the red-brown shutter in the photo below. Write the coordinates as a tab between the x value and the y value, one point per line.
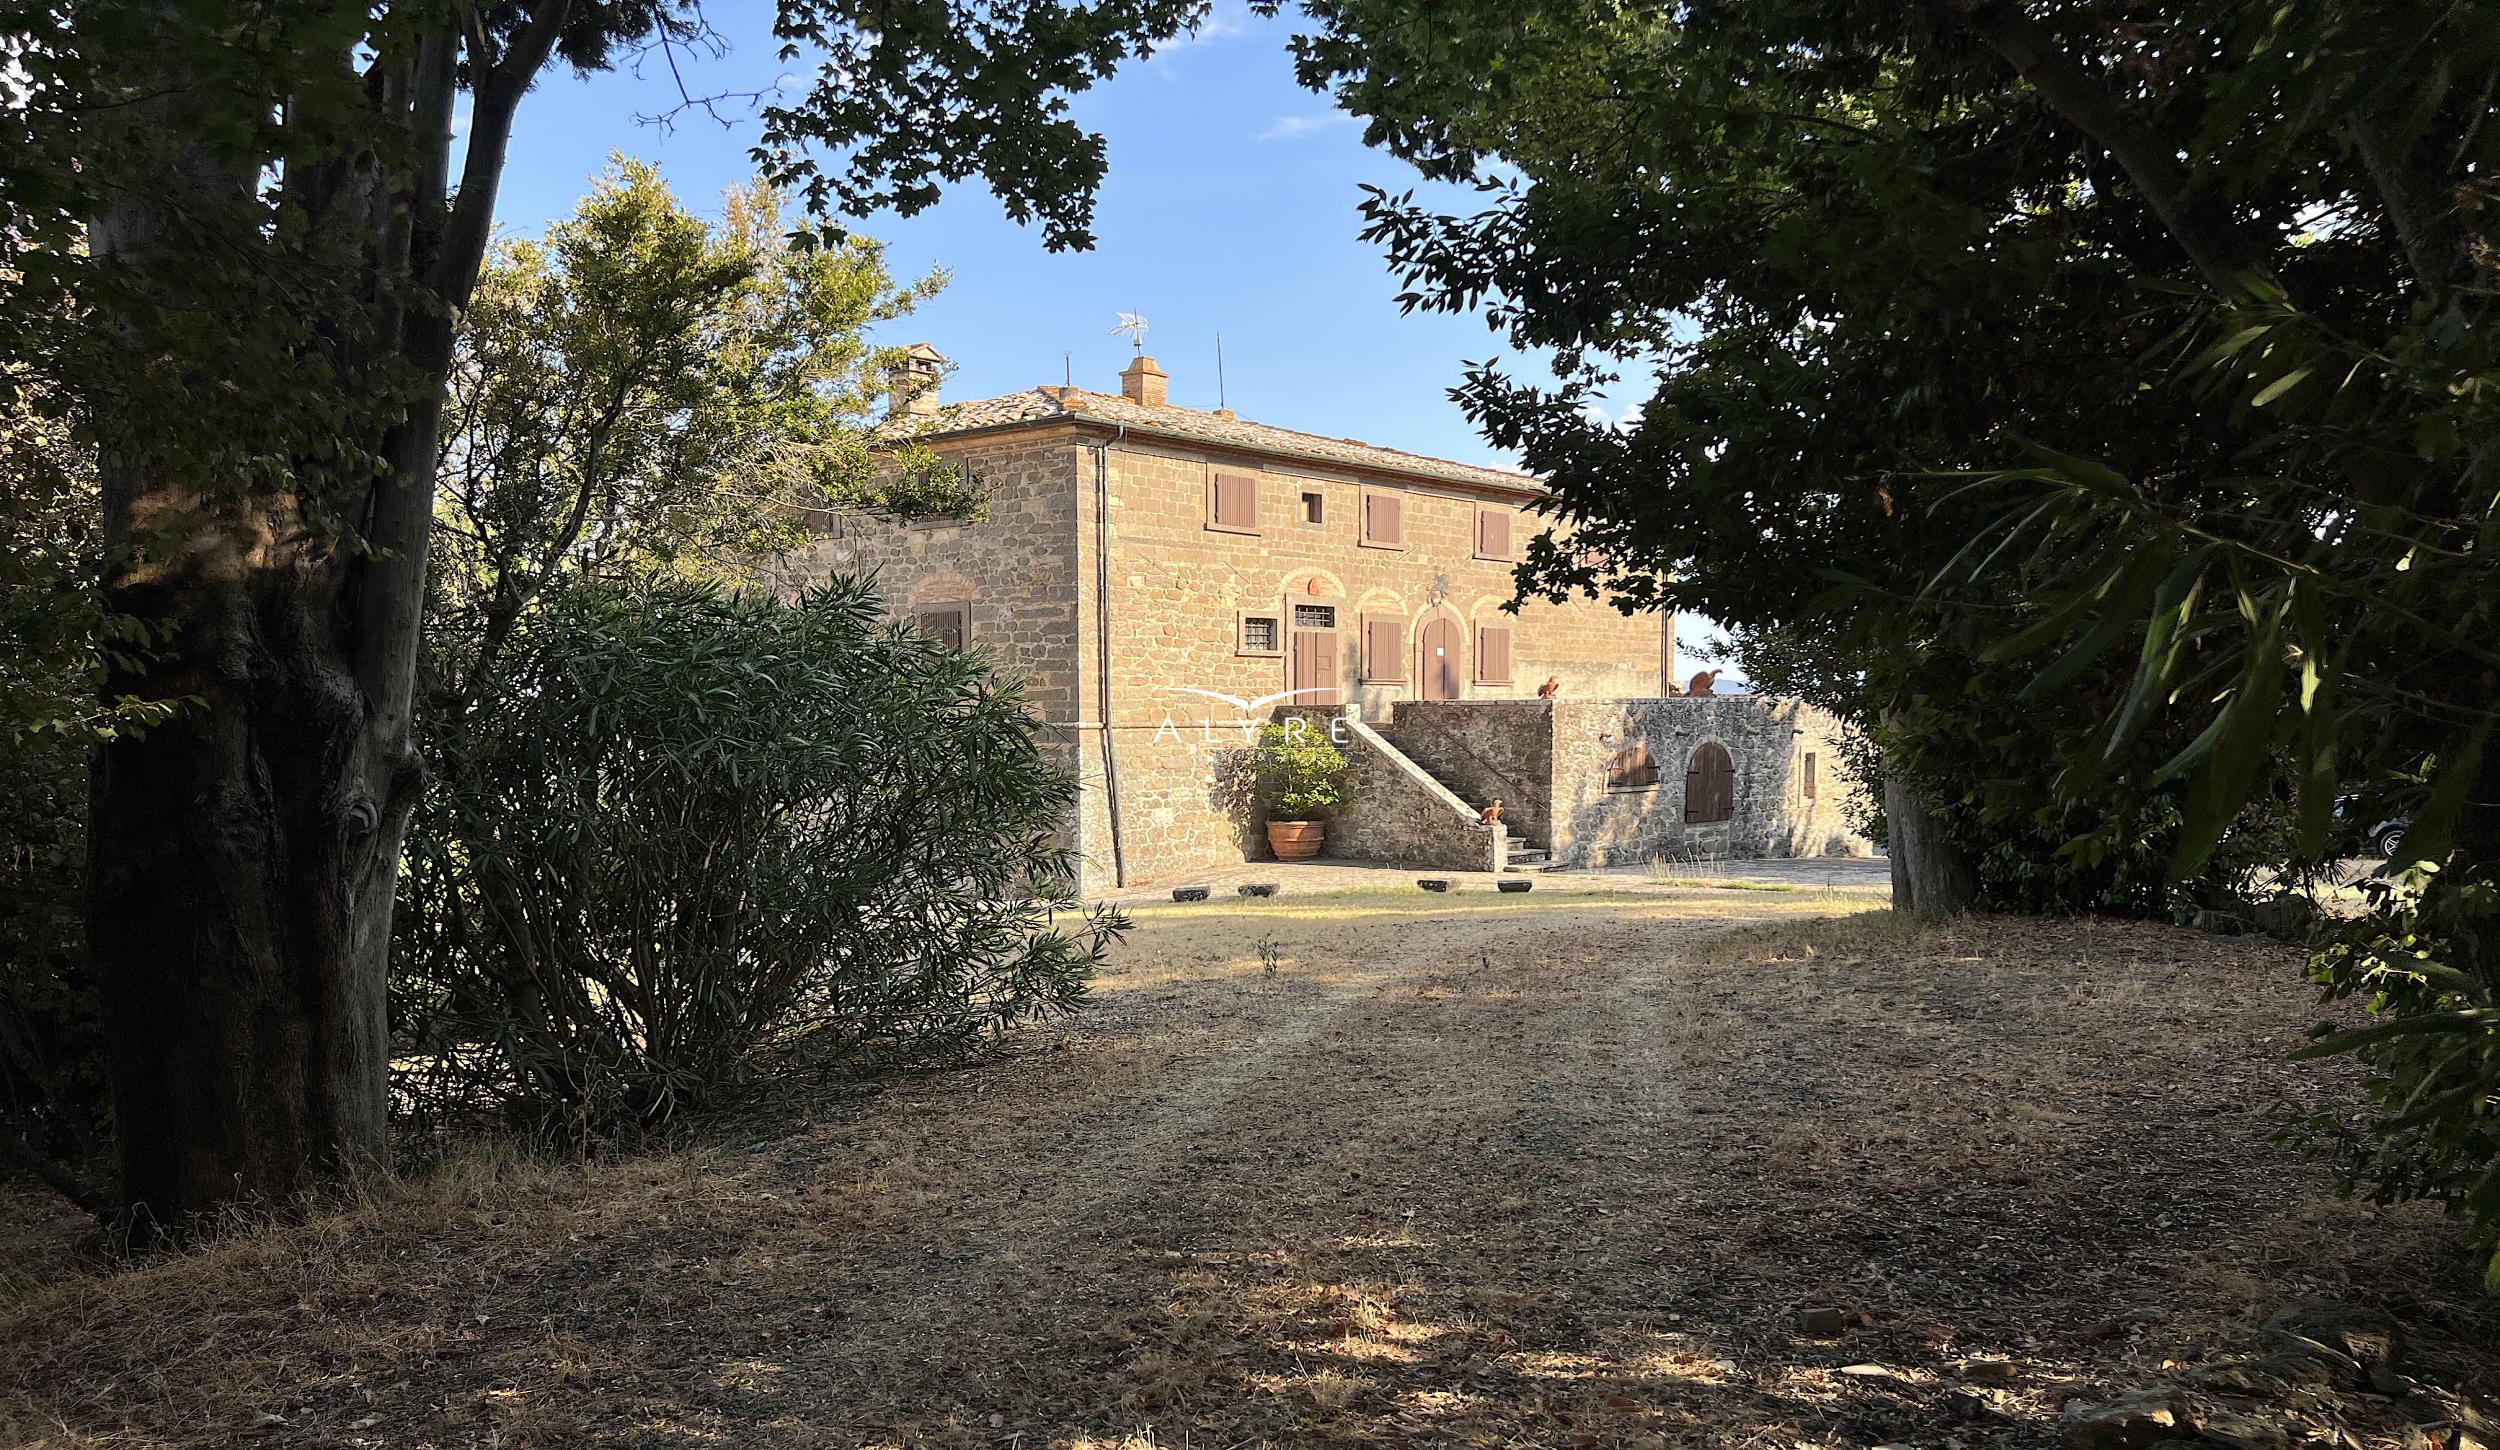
1492	534
1314	668
1384	649
1236	502
1493	653
1384	519
1632	769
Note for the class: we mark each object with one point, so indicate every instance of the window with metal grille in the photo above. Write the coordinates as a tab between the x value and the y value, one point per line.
1259	635
1315	616
1632	769
1709	785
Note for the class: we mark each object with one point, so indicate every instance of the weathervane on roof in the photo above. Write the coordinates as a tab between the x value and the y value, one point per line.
1133	326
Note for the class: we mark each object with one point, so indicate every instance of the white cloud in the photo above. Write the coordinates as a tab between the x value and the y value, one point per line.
1229	20
1294	128
1622	420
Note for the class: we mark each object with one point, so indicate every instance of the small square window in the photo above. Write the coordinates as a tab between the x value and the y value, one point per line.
1260	635
1314	507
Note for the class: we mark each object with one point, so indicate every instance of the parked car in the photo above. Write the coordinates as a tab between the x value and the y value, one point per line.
2384	839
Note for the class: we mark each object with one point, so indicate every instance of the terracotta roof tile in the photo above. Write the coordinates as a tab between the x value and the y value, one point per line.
1053	404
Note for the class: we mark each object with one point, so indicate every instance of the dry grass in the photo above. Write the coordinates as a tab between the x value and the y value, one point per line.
1471	1170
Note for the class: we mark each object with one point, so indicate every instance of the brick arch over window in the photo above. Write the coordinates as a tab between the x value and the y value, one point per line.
943	589
1313	584
1709	784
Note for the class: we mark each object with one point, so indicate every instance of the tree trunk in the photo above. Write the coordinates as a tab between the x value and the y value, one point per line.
244	858
1931	878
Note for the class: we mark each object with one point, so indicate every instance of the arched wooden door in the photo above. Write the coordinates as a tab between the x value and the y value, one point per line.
1709	785
1438	650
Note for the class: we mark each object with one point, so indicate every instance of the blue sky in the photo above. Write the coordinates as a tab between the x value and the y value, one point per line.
1230	208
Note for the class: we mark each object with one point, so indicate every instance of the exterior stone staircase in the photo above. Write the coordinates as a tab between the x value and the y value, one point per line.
1470	779
1519	855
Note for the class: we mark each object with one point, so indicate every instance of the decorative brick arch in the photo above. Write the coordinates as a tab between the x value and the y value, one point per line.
947	588
1313	584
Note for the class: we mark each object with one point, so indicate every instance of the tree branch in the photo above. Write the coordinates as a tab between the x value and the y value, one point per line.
59	1179
2424	228
500	87
2218	247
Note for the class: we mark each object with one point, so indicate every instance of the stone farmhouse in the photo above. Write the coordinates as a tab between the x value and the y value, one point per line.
1165	577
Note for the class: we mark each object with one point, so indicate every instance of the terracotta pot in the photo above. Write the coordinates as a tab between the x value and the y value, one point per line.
1296	840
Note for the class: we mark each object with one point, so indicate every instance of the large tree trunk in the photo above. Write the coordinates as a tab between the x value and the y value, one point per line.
1931	877
245	856
244	860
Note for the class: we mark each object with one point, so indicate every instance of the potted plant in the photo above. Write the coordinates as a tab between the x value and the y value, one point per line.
1306	773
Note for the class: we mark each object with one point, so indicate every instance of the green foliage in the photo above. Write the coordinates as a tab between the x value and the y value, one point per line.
1302	768
709	838
2102	406
2433	1056
643	393
62	639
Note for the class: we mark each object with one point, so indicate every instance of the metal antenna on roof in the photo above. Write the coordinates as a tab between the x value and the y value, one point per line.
1133	326
1067	368
1219	370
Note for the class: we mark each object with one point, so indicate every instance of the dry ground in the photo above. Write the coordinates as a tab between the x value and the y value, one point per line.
1466	1171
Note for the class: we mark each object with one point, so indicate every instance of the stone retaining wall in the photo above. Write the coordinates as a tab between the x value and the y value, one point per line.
1395	811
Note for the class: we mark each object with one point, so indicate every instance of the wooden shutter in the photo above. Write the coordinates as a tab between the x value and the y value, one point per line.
1709	785
946	624
1809	775
1492	534
1384	649
1384	520
1493	654
1236	503
1632	769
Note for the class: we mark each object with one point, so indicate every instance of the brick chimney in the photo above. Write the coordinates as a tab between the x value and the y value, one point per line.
916	381
1142	383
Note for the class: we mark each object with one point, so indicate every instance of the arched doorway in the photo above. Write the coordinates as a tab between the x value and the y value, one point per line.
1439	655
1709	785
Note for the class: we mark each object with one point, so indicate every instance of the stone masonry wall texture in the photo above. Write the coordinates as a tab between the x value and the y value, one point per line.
1767	738
1396	812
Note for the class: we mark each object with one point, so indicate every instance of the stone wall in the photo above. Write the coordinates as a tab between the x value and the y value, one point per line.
1768	741
1012	572
1486	750
1180	587
1395	811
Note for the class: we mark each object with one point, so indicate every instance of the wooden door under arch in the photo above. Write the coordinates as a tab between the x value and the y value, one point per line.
1439	654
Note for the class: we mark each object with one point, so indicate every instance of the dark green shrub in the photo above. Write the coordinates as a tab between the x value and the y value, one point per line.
695	839
2431	1055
